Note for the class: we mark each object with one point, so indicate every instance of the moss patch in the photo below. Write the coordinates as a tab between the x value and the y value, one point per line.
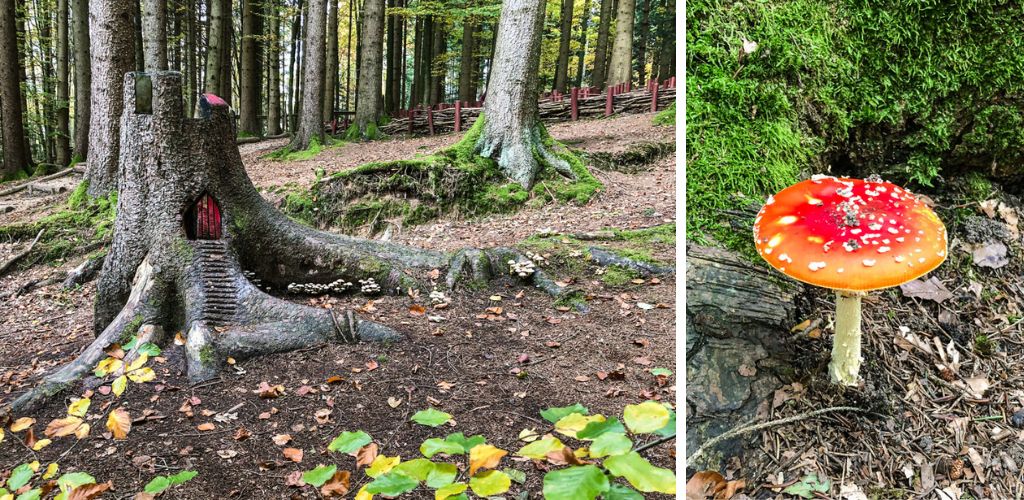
666	116
315	147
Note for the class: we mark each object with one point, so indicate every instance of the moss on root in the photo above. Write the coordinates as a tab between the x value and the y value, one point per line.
82	225
414	191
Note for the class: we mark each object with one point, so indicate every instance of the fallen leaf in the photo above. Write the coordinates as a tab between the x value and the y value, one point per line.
394	402
226	454
371	365
933	290
281	439
417	310
208	426
89	491
366	455
484	456
22	424
242	434
119	423
293	454
337	486
267	391
990	254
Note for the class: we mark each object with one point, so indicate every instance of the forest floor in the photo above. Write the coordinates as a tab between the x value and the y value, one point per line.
494	371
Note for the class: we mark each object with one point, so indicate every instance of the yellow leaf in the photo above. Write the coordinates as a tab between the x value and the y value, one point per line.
381	465
119	423
179	339
363	494
109	365
34	465
572	423
22	424
645	417
119	385
484	456
42	443
142	375
51	470
1	434
537	450
451	490
139	361
78	407
82	431
63	426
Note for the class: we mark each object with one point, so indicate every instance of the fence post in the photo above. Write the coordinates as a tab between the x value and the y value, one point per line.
430	120
412	116
458	116
654	99
608	103
574	103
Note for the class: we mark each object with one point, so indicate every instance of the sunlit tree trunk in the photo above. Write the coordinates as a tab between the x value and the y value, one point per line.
154	34
331	67
371	43
310	118
600	74
619	67
63	147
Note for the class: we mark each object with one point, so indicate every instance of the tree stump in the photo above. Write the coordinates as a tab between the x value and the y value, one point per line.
738	317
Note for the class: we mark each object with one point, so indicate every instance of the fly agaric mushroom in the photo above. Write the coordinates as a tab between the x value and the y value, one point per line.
852	236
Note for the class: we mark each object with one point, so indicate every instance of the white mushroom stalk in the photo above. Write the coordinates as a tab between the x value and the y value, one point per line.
846	358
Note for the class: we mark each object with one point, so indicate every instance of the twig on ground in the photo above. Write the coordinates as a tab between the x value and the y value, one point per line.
654	443
30	183
3	268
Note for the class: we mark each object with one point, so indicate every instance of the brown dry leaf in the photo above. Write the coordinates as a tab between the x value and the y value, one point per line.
208	426
295	479
710	484
242	434
552	344
484	456
582	378
335	380
281	439
30	437
266	391
322	415
22	424
394	402
293	454
565	456
337	485
372	365
119	423
417	310
366	455
63	426
89	491
642	360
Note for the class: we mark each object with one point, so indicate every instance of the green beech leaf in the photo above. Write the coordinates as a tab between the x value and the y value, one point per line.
72	480
433	446
442	475
150	349
181	477
392	484
349	442
431	417
661	371
621	492
467	443
806	487
157	485
20	477
670	427
33	494
417	468
610	444
583	482
596	428
131	343
645	417
540	448
555	414
489	483
320	475
450	491
515	474
641	474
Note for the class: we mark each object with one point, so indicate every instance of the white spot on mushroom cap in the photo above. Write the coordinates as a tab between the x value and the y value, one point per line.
869	262
814	266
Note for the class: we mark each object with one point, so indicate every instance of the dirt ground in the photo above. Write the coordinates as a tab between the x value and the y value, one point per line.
492	373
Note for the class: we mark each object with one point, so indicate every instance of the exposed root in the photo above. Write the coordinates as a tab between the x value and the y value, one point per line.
637	157
606	258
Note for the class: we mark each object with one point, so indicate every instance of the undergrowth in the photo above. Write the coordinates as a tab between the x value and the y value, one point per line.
417	190
83	225
666	116
315	147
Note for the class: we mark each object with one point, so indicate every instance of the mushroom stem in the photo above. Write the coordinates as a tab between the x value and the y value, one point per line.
846	358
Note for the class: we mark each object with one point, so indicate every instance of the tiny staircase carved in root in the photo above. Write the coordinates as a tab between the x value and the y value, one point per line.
219	287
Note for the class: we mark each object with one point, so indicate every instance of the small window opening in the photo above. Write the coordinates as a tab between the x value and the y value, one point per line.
202	219
143	94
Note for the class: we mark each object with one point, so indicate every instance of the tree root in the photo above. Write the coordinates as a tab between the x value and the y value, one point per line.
606	258
16	258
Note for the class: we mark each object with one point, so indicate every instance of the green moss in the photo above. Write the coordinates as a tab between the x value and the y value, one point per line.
246	135
79	196
206	355
662	233
315	147
299	205
618	276
371	133
184	249
576	300
666	116
637	254
984	345
131	329
977	187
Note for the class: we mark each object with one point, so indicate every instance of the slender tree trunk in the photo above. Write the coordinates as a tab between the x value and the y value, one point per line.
140	55
251	84
426	57
565	35
63	153
215	47
437	66
293	59
600	74
417	63
48	83
467	63
83	76
582	53
111	32
512	133
16	160
274	73
619	68
641	48
331	68
371	42
227	45
391	69
154	34
192	66
311	126
348	55
667	52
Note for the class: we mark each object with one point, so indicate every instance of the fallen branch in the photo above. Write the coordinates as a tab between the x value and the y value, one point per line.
654	443
739	431
23	253
32	182
249	140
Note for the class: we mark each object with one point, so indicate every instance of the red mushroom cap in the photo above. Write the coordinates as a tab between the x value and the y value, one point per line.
849	234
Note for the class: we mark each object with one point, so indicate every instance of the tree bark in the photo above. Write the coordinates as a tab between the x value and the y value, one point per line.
371	42
667	52
215	47
512	133
619	67
63	133
111	30
565	35
436	63
581	54
394	53
641	48
293	60
331	77
467	63
46	58
600	74
83	76
251	84
274	71
310	116
417	63
227	43
16	161
154	34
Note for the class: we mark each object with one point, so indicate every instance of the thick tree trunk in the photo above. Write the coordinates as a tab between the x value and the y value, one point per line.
582	52
371	42
394	53
641	48
437	68
667	52
63	133
227	44
467	63
111	31
250	98
600	74
16	161
154	34
426	57
83	76
619	67
348	55
565	35
47	57
215	46
293	61
331	68
417	63
310	116
274	71
140	56
512	132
